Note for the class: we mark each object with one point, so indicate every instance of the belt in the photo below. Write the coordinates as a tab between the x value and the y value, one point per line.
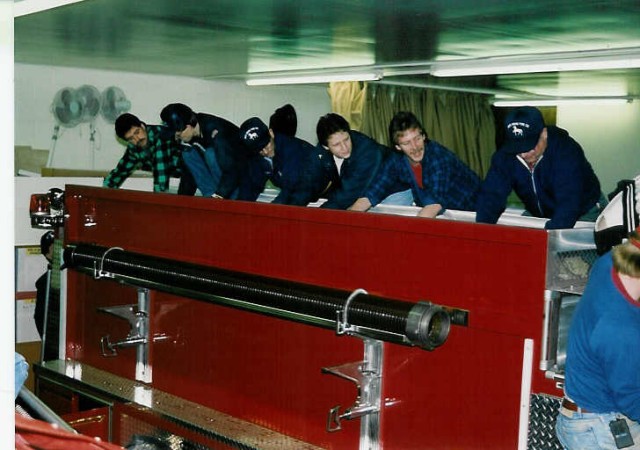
568	404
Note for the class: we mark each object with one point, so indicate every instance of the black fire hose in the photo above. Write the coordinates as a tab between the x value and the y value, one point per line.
422	324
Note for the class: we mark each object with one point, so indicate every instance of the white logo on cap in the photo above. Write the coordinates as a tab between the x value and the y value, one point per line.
251	134
517	128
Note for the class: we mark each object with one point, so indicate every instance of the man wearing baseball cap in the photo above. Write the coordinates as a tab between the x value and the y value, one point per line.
212	149
546	168
273	156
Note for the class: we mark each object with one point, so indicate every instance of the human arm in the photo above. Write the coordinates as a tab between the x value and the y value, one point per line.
494	190
125	167
231	162
571	184
314	179
362	204
430	211
254	178
357	173
290	172
165	163
389	179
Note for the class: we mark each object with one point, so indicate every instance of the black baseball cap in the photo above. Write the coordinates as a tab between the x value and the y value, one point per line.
255	134
522	130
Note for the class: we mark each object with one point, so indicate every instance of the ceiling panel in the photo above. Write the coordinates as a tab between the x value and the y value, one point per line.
233	38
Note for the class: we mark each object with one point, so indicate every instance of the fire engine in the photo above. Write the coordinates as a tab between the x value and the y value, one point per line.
224	324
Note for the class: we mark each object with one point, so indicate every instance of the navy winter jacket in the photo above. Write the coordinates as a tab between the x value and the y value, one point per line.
285	171
356	173
562	186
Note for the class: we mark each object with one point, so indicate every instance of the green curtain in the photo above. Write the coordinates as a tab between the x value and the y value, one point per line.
462	122
377	113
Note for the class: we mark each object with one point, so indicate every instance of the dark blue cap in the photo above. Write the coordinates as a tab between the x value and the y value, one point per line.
255	134
522	130
176	116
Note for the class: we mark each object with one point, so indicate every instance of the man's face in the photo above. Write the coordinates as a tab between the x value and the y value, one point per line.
532	156
269	150
137	135
411	143
339	144
186	135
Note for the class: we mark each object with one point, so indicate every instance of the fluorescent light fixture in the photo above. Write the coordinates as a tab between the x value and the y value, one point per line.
563	101
313	78
26	7
548	62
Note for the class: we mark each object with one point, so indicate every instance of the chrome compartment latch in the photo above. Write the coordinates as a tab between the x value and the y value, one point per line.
138	336
367	376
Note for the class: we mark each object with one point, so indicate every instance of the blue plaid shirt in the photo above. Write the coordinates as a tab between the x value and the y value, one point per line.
445	178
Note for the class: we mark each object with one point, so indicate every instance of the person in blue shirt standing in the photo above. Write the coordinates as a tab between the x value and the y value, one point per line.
343	164
601	408
438	179
274	156
548	171
212	149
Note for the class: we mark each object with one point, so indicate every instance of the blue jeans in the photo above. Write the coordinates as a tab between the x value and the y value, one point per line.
22	370
590	431
204	168
402	198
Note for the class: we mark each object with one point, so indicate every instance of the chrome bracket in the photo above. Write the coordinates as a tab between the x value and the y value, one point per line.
98	272
367	376
342	316
138	336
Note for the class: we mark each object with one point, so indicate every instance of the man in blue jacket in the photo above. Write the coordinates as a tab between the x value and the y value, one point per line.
274	156
213	151
548	171
344	163
438	179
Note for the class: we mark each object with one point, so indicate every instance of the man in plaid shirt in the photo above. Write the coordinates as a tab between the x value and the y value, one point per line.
437	178
149	148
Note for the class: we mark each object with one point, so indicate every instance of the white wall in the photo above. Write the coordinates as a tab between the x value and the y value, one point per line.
36	86
7	309
610	137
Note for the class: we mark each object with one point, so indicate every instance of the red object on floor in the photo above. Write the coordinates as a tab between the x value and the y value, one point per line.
36	434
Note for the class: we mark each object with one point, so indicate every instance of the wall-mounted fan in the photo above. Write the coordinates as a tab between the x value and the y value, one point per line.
66	108
114	103
89	98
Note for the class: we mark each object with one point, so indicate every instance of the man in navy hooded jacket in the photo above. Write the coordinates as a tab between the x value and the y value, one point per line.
546	168
273	156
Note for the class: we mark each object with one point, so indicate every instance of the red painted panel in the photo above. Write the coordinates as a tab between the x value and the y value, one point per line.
267	370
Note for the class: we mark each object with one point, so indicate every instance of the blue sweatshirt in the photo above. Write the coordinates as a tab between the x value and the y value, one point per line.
602	372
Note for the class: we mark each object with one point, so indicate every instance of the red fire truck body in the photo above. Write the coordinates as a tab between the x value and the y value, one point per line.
224	373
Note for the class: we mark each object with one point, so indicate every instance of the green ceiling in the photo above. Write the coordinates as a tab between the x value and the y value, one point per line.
231	38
